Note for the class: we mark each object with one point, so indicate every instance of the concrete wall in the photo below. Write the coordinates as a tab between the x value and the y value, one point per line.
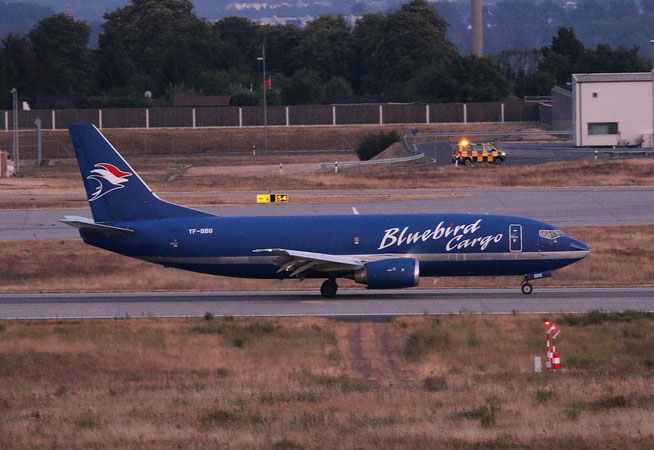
561	109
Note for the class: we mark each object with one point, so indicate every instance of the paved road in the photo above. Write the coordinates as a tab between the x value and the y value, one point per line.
517	153
562	207
349	303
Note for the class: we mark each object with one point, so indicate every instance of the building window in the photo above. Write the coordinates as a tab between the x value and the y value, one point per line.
603	128
594	94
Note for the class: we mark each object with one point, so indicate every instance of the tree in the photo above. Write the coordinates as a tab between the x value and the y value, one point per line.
565	43
20	66
391	49
338	87
149	44
238	36
304	87
4	88
366	43
281	42
464	79
60	45
481	80
325	47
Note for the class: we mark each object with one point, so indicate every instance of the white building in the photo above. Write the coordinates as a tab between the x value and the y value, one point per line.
612	109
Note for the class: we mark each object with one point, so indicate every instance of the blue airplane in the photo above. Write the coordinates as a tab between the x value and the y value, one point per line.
384	251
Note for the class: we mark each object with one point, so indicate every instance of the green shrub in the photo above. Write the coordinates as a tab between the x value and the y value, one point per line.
425	340
582	362
487	414
611	401
435	384
60	391
597	317
344	383
574	411
543	397
222	372
218	416
208	316
87	422
373	144
287	444
271	398
239	341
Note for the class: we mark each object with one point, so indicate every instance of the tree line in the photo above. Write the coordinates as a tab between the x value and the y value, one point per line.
161	46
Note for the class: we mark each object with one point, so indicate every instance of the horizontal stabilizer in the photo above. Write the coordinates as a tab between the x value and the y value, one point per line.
88	224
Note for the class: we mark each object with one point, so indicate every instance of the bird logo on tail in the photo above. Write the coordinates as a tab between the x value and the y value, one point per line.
109	178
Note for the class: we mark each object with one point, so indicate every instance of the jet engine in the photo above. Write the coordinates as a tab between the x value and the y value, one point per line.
389	273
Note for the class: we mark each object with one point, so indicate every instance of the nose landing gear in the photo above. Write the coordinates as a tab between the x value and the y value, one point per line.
527	288
329	288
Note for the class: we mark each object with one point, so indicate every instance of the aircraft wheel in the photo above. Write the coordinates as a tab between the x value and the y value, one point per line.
328	288
526	288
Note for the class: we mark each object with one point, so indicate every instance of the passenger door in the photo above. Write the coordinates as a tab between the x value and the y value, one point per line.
515	238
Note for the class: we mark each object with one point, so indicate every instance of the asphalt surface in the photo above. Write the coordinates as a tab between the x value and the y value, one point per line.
517	153
348	303
561	207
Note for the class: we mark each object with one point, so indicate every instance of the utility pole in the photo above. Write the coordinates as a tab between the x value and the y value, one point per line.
651	46
14	93
39	142
265	100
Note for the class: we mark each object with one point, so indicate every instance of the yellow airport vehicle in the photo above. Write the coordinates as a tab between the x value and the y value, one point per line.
272	198
469	152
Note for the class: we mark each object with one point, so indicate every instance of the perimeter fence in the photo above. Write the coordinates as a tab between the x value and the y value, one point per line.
279	116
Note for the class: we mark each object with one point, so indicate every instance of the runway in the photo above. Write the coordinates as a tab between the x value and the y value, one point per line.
348	303
559	206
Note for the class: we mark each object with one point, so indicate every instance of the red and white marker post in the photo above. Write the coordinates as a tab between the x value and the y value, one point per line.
552	357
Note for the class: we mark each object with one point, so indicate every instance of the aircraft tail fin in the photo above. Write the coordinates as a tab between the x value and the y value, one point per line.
115	191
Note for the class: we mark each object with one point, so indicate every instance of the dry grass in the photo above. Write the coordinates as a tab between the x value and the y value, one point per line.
621	256
317	383
206	175
216	141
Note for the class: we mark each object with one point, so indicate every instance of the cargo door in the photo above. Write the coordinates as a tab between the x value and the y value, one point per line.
515	238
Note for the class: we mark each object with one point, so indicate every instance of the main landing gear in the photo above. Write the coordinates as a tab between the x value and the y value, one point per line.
329	288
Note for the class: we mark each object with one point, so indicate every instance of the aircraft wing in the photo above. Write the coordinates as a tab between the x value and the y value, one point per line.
300	262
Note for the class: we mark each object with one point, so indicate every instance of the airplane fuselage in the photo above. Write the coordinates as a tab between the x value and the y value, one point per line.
444	244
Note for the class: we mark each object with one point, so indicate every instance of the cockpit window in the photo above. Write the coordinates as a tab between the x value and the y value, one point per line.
551	234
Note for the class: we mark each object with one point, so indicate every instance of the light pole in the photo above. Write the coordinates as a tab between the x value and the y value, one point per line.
14	94
651	46
262	58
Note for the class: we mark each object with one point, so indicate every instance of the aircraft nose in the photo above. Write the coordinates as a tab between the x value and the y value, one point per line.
577	245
